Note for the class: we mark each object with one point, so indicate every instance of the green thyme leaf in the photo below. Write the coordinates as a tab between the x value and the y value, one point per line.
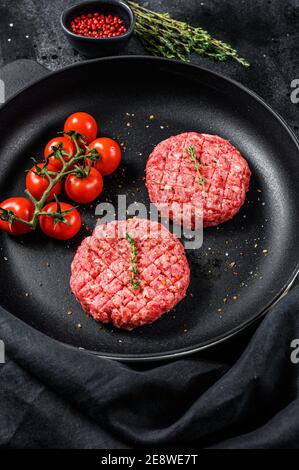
134	280
194	158
164	36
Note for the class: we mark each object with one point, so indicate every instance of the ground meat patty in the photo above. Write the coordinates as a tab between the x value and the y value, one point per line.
172	180
101	273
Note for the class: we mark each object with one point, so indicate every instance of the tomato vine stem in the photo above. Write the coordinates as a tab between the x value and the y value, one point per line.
67	168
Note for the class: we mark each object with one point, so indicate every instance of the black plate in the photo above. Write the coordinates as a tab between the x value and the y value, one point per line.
244	265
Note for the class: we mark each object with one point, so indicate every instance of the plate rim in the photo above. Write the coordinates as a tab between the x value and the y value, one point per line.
174	354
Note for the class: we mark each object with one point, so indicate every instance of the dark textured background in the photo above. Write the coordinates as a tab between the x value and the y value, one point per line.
265	31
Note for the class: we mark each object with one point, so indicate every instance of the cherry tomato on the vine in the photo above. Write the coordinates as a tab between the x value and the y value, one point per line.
110	155
38	184
60	230
83	123
84	189
22	208
67	146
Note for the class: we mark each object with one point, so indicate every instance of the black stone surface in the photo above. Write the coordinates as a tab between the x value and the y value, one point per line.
265	31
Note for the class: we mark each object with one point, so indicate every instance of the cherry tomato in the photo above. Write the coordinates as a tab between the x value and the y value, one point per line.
37	184
110	153
84	189
60	230
83	123
67	146
22	208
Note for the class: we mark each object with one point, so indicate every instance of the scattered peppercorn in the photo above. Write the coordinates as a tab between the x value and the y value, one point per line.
97	25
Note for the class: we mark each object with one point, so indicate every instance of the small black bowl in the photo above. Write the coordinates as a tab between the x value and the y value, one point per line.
97	47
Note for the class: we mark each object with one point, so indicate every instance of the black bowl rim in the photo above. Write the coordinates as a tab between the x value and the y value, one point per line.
120	3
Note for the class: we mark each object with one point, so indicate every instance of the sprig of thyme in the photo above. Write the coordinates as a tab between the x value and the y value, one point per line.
134	280
194	159
164	36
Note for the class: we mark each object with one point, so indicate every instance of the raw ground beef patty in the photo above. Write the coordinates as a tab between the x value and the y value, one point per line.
101	273
172	179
